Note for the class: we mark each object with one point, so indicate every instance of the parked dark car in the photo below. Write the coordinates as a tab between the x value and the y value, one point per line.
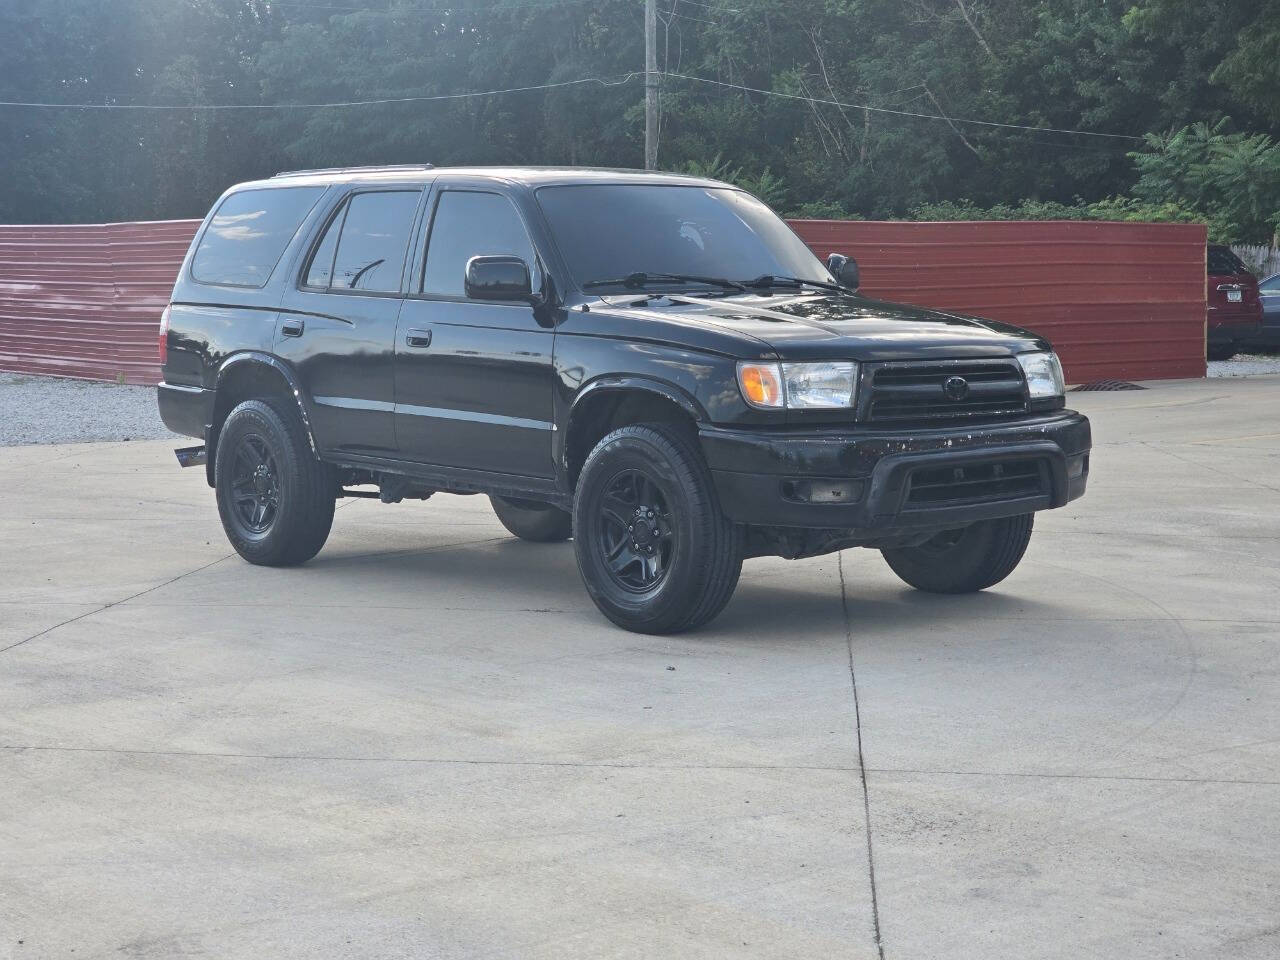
1269	333
653	365
1235	309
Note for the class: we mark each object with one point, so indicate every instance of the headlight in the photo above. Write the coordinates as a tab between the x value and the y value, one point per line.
799	386
1044	375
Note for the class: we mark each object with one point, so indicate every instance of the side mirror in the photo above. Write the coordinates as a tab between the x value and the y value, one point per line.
497	278
844	269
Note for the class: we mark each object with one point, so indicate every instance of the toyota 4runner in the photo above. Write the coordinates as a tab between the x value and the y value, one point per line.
652	365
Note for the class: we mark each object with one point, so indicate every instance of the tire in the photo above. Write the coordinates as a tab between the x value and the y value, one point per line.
964	561
280	517
1222	353
534	521
679	566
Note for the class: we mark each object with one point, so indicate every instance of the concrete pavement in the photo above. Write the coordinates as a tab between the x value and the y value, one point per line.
427	743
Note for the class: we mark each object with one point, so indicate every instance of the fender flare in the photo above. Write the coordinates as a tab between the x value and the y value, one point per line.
612	383
237	361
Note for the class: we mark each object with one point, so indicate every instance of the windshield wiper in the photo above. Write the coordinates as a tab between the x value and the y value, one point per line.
767	280
640	279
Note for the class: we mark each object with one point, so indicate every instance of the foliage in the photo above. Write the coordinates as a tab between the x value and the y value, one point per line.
1233	45
1124	209
1233	177
765	184
965	209
885	88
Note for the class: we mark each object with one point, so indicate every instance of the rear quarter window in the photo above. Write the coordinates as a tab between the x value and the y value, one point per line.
249	233
1223	261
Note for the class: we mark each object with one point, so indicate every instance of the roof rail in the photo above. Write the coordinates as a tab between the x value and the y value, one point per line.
376	168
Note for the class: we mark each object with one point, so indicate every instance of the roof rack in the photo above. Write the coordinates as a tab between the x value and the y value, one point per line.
376	168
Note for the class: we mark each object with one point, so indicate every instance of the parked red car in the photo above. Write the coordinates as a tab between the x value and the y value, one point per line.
1235	309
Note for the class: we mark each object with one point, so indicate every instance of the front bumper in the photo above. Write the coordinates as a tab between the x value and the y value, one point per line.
878	477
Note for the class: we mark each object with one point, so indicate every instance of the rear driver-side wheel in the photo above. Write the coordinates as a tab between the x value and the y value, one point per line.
655	551
275	498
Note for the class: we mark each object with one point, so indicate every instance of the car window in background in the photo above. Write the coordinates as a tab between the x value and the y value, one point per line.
473	224
1223	261
249	233
374	241
607	231
1270	285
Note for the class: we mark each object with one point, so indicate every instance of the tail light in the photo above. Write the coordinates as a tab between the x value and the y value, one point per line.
164	337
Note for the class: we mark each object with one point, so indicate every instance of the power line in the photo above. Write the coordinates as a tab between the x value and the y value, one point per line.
362	8
711	6
900	113
602	81
683	16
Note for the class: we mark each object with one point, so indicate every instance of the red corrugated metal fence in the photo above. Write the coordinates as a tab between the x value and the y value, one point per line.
1118	300
85	300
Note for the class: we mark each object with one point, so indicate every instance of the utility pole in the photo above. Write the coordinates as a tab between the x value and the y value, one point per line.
650	84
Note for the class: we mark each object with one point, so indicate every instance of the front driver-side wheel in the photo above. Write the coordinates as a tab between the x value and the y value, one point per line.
655	551
275	498
532	520
965	560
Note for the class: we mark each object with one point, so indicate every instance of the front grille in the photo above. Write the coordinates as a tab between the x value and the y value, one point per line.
915	391
977	483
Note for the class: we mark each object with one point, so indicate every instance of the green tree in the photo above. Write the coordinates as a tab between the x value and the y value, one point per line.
1232	177
1230	53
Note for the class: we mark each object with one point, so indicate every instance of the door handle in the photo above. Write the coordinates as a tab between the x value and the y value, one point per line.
292	328
418	338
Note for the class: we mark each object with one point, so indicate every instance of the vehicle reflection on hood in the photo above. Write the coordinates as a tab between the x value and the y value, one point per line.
861	327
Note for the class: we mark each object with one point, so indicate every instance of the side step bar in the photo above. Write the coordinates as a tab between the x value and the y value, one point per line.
191	456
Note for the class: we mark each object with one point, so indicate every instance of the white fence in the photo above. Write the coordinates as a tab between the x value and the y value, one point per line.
1262	260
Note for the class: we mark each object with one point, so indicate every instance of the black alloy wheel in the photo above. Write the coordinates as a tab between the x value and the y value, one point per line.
655	551
255	487
635	535
275	498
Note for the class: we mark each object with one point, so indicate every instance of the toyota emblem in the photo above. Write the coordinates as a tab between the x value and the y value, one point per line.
956	388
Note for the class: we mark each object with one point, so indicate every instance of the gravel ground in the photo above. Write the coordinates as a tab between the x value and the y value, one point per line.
1245	365
52	410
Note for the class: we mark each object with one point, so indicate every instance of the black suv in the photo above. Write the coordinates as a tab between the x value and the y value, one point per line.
653	365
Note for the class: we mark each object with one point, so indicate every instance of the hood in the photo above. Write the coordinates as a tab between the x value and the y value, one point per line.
815	326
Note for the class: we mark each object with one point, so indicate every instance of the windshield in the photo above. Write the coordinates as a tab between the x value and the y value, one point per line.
610	231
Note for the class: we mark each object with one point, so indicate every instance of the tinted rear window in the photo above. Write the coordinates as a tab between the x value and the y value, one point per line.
1222	260
249	233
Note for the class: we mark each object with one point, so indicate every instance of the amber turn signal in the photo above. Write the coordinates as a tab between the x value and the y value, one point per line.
761	384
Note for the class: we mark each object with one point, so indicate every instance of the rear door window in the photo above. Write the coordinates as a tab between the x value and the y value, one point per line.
370	252
249	233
